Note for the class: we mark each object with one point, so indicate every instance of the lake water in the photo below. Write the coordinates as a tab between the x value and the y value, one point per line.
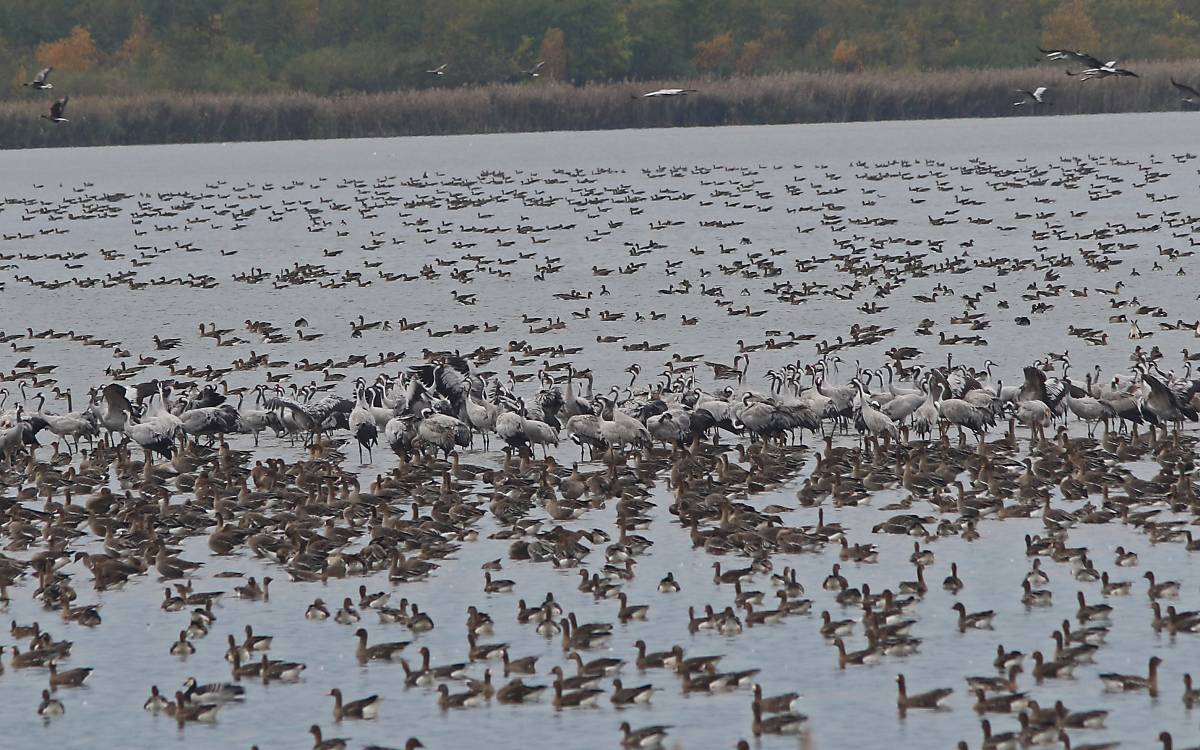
1045	186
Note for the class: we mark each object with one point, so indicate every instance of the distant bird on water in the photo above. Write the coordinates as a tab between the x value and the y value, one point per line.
1031	97
1191	95
665	92
39	81
439	70
56	111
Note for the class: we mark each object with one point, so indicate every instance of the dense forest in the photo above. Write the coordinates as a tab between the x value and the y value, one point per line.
323	47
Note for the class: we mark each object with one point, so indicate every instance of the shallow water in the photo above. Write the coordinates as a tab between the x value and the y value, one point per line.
750	167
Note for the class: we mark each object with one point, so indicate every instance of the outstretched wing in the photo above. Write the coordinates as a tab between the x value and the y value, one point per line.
1185	88
42	75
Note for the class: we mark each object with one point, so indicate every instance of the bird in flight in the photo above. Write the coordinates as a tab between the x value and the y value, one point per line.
665	92
56	111
1031	97
39	81
439	70
533	72
1191	95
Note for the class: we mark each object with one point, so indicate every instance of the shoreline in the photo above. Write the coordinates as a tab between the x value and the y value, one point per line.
777	99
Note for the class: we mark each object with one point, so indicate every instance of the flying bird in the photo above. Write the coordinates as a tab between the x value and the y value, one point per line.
1031	97
1191	95
1104	71
1067	54
665	92
533	72
39	81
439	70
56	111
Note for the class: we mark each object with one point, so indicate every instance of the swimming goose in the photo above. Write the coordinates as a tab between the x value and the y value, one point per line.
156	702
215	692
624	696
185	711
50	707
784	702
363	708
466	699
1092	612
952	582
379	651
72	678
869	655
643	738
668	585
975	620
929	699
583	698
183	647
788	723
320	743
1162	590
317	610
1115	682
525	665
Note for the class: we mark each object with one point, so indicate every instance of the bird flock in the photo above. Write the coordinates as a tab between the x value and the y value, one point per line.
534	494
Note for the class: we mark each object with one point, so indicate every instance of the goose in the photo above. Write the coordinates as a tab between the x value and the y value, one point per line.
1031	97
439	70
661	93
321	743
1191	95
364	708
379	651
975	620
582	698
50	707
643	738
56	111
782	703
215	692
466	699
156	702
40	81
1162	589
930	699
788	723
72	678
317	610
1115	682
626	696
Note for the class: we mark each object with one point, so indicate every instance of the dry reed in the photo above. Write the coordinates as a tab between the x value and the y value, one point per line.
772	99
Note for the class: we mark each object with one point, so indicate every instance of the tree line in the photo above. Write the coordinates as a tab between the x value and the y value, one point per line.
333	47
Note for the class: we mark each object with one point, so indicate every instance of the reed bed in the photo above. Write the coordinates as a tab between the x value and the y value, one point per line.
773	99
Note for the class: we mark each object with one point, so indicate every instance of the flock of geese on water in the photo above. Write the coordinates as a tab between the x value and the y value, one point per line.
162	453
313	521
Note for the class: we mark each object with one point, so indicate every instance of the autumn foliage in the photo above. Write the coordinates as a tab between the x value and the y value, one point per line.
74	53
